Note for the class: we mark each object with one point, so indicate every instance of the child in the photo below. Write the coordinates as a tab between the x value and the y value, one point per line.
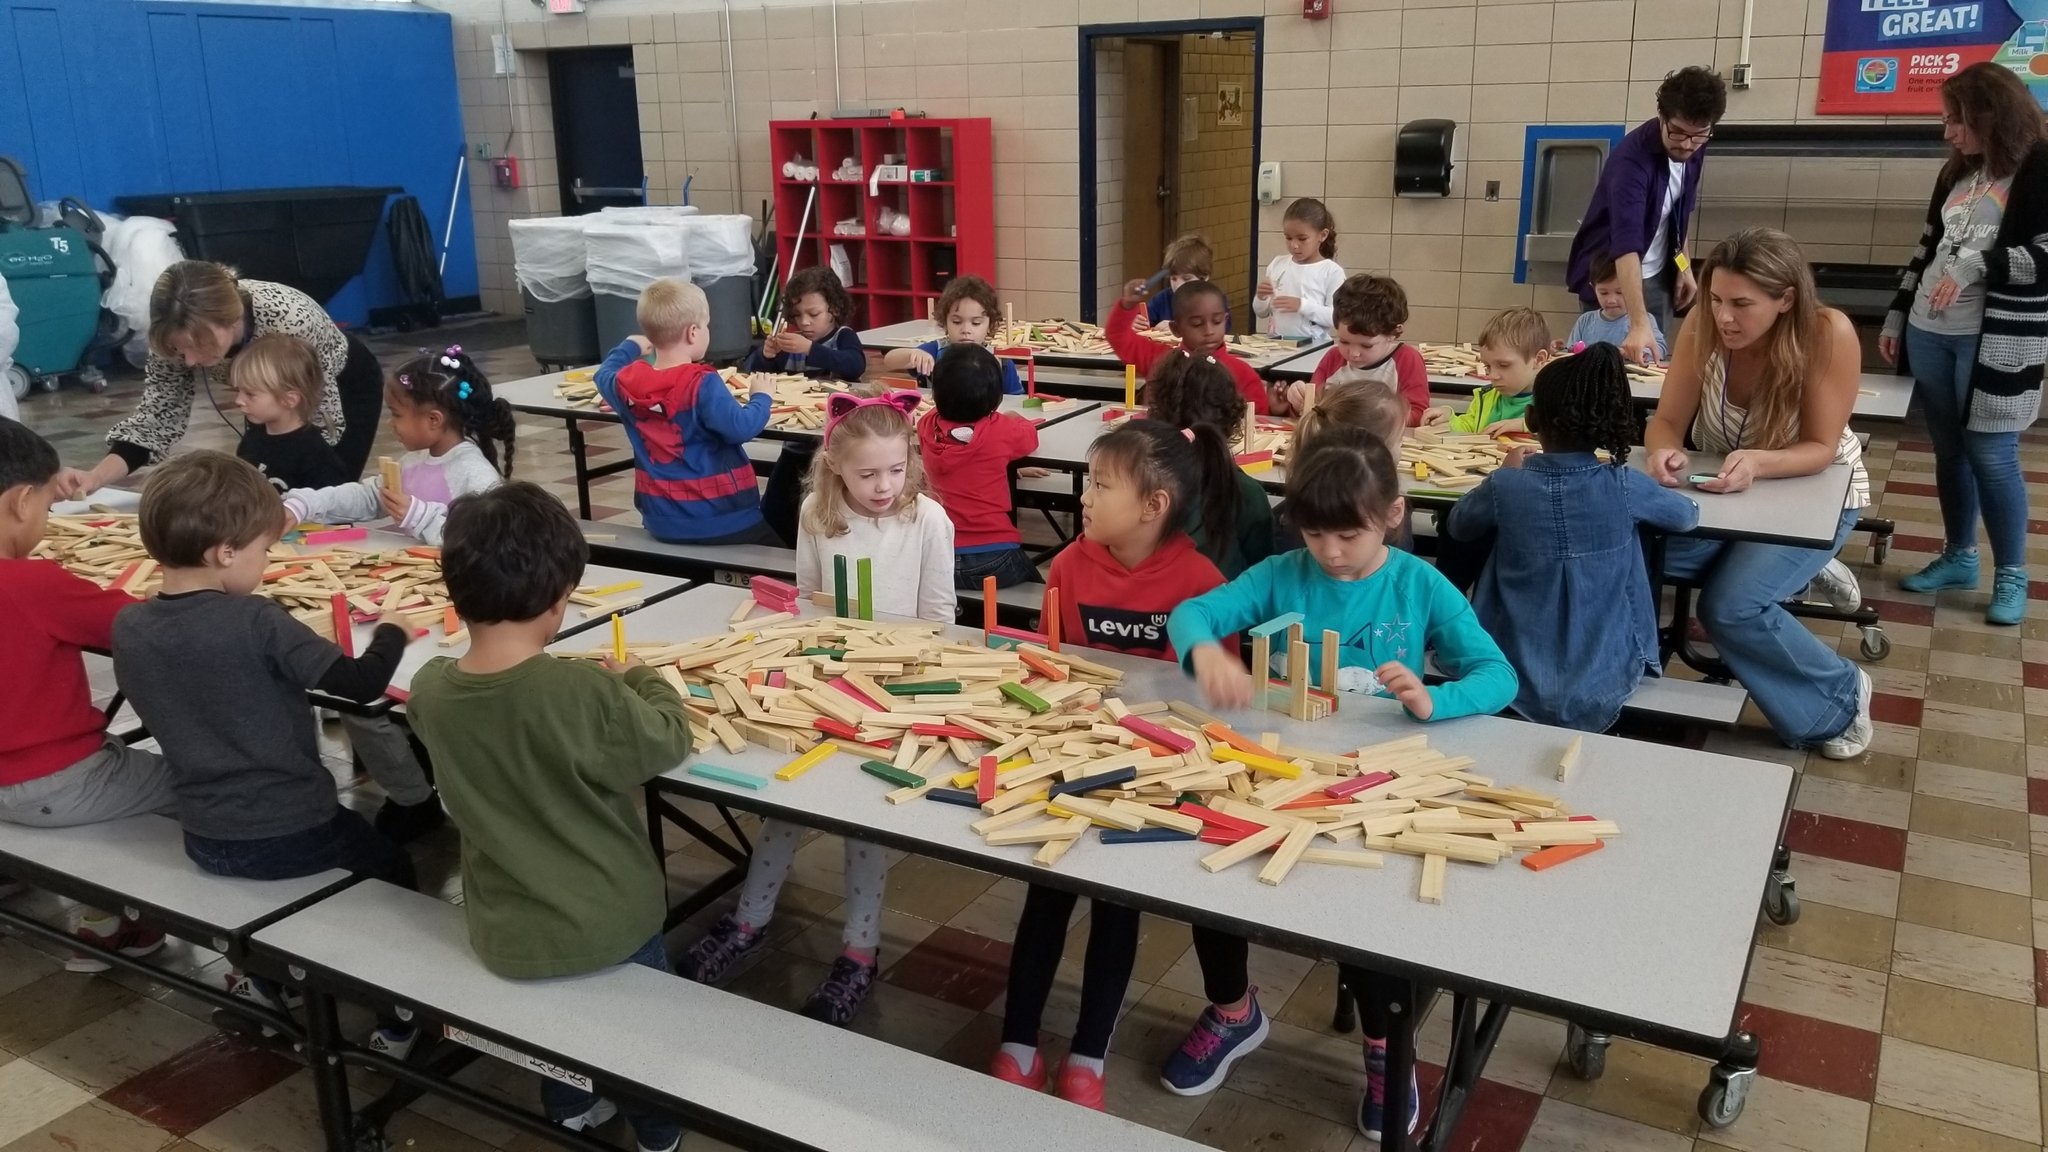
1351	399
253	797
58	765
1229	514
1387	607
692	482
542	760
814	340
968	310
968	447
1609	323
1370	313
1201	318
1565	592
1513	346
868	501
274	376
1295	294
1132	565
1189	257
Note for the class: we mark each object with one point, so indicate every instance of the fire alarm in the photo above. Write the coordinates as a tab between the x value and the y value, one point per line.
1315	9
505	172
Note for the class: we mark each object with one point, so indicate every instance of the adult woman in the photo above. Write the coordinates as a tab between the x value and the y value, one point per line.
1766	376
1975	326
200	315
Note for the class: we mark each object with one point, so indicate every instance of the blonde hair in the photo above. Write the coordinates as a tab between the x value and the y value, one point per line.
1522	329
191	298
668	306
279	363
1190	255
1353	400
826	511
1775	262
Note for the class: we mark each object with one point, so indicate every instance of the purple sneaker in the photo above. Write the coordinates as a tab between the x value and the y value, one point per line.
1212	1047
711	959
842	993
1372	1105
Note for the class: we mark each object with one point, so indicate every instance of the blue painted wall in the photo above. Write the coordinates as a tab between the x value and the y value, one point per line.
107	98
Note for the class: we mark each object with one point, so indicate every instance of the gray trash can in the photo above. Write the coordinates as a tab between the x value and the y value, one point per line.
721	253
562	334
561	318
623	259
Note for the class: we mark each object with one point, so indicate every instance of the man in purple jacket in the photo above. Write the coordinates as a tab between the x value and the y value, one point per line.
1638	216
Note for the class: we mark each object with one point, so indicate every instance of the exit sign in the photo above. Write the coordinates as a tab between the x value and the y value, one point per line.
564	7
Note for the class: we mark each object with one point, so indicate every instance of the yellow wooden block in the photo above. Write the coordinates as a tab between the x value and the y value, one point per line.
807	761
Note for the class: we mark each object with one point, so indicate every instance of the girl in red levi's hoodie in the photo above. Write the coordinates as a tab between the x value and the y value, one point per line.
1133	564
968	447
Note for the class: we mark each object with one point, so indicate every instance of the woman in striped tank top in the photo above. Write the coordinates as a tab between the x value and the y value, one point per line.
1767	376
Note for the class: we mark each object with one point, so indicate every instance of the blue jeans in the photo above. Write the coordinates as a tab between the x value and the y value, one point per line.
1805	688
1972	470
346	842
1010	567
566	1102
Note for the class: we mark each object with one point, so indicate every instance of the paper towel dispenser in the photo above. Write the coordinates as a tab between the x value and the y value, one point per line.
1422	158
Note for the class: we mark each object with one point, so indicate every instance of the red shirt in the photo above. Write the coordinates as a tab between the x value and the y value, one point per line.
1411	376
1106	605
47	721
972	477
1144	352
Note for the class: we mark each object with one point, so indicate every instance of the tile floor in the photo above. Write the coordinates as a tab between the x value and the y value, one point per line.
1903	1011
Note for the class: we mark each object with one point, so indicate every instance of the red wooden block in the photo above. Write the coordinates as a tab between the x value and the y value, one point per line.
1215	819
1157	734
985	783
945	732
858	696
1357	784
343	623
1222	835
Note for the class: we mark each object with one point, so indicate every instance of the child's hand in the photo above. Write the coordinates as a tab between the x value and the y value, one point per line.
1142	322
1503	427
1519	455
643	343
761	384
1286	303
1434	416
1034	473
1265	288
1404	685
1223	680
396	504
1134	294
1298	394
287	523
795	342
921	362
611	665
1667	466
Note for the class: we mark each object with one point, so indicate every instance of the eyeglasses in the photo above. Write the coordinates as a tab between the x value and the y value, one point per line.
1679	135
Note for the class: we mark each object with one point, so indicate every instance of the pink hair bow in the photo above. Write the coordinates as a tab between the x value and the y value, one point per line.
840	405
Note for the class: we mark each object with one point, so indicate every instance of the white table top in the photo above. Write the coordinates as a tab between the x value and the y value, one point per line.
751	1063
1654	929
911	333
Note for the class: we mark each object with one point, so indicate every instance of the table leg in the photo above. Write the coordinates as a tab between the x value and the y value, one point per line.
660	808
1401	1009
577	447
1472	1040
330	1078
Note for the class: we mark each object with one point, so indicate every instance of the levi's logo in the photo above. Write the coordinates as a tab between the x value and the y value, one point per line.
1122	628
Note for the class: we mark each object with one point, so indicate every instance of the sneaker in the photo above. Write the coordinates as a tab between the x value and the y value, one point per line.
405	823
1081	1086
2008	596
393	1043
671	1147
1836	587
713	957
1004	1067
1855	739
601	1111
1212	1046
245	987
129	939
1951	569
1372	1105
843	992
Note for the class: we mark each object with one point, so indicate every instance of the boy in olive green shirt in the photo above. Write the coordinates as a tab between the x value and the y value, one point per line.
538	760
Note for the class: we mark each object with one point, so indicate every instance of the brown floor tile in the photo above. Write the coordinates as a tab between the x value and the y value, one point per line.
1959	1021
93	1127
1527	1056
1305	1071
974	1045
1975	693
1312	1005
31	1098
1974	751
412	1130
1822	989
1896	1130
1996	790
1961	1089
1972	823
55	1006
1155	1026
2001	645
1874	891
285	1117
1132	1091
121	1045
1987	723
1953	960
1235	1120
910	1020
1783	1117
1565	1127
957	967
1832	933
933	889
1651	1086
1876	769
1967	909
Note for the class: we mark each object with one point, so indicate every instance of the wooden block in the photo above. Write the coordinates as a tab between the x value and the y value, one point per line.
1192	714
1468	848
985	782
1161	817
391	476
1289	852
1014	798
1090	783
1094	810
1332	644
1039	833
1297	673
892	774
1275	625
807	761
1050	852
1344	857
1600	828
744	609
1024	696
1258	762
1570	759
1244	849
1010	819
1157	734
731	776
839	595
1262	668
1552	857
1452	820
1431	890
1560	833
1146	836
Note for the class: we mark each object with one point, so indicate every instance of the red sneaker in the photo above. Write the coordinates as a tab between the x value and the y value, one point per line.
1004	1067
1081	1086
130	939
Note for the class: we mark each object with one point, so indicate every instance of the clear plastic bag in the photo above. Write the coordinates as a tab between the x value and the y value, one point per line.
720	246
141	247
548	257
625	258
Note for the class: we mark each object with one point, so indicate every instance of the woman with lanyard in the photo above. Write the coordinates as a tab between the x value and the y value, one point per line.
200	315
1766	376
1974	319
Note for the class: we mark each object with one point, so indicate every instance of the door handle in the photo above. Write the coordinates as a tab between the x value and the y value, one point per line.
582	191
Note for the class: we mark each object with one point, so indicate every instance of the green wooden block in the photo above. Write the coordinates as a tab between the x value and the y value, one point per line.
924	688
892	774
839	586
864	573
834	653
1026	697
731	776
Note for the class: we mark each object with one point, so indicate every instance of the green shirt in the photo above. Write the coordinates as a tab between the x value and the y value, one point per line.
1490	405
539	765
1251	537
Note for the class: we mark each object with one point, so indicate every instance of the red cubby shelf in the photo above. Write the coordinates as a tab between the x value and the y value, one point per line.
952	221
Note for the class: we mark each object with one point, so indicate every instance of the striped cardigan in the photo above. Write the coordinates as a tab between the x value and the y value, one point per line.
2012	346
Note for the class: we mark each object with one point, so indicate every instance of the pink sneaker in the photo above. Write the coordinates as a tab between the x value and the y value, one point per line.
1004	1067
1081	1086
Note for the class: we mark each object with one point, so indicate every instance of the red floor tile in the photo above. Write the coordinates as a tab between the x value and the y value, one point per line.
2037	797
1891	709
1907	488
2040	978
2035	676
1916	446
1497	1117
1905	543
2037	527
190	1089
957	966
2037	590
1849	840
1818	1054
1900	612
2035	477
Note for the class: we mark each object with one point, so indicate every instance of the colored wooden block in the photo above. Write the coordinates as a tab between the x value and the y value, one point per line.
924	688
1563	853
1570	759
1051	621
892	774
1224	734
856	695
988	609
344	634
1214	819
1025	696
807	761
1222	836
1146	836
775	595
619	638
1091	783
985	780
731	776
1041	665
1431	888
864	578
1276	625
1359	784
1157	734
336	536
839	585
955	796
1018	635
1258	762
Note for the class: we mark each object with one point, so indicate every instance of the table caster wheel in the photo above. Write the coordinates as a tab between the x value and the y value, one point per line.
1781	901
1721	1101
1876	645
49	383
93	378
1585	1052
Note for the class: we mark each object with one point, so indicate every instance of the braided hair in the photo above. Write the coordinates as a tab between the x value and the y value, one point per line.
450	382
1581	403
1196	393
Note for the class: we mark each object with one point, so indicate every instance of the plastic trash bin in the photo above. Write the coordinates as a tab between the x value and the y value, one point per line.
314	239
721	255
554	289
622	260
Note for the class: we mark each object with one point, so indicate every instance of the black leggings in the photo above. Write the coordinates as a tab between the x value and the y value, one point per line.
1226	978
1035	958
361	386
784	498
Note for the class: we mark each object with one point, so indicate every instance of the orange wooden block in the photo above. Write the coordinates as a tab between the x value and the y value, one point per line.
1051	623
450	622
1562	853
424	553
1228	735
284	573
1156	749
1317	801
1041	665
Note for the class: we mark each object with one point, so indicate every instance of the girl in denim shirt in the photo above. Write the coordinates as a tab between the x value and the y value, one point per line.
1567	549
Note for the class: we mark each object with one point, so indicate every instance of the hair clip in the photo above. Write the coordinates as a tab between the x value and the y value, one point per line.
462	390
1189	433
840	405
405	381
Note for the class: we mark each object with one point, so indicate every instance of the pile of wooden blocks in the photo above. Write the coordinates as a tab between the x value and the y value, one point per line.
798	403
1463	360
1038	744
1258	443
1073	338
1454	460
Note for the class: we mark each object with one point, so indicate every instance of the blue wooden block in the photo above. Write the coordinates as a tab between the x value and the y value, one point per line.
1091	783
1276	625
1144	836
731	776
960	796
700	692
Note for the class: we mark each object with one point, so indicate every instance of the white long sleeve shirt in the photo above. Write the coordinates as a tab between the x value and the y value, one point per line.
912	554
1316	283
431	482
